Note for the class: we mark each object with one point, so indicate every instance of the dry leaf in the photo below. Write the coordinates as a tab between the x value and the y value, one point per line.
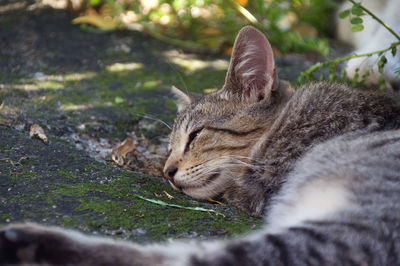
38	132
242	2
118	154
168	195
276	51
228	50
215	201
104	23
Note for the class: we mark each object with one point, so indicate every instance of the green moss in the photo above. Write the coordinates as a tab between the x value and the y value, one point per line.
77	190
4	216
171	105
87	199
113	205
66	174
70	221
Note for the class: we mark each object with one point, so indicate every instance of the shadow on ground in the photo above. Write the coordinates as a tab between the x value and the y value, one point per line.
83	87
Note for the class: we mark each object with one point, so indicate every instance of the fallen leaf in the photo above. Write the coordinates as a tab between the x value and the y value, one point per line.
118	154
220	232
37	131
228	50
215	201
103	23
276	51
168	195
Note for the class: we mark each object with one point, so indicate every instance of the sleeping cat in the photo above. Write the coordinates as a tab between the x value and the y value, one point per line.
322	164
374	37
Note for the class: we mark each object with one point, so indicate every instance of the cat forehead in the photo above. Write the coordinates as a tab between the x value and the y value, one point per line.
209	109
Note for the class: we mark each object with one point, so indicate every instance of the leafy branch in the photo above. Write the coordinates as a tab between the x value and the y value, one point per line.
376	18
305	75
357	11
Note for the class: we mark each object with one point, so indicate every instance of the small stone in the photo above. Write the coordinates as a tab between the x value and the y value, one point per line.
20	127
139	232
39	75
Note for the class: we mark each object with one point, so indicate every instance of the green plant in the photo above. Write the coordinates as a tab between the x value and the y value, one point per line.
210	25
355	14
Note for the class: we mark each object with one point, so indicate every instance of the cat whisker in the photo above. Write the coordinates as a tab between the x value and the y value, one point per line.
146	116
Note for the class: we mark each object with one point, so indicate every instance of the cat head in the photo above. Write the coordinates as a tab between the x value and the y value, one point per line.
213	135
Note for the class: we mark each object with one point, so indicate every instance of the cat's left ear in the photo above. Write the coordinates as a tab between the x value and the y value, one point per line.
251	75
183	99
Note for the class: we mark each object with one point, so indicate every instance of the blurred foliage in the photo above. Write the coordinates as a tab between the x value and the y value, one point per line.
211	25
355	14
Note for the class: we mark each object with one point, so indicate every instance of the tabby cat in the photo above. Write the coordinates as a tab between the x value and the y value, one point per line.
322	164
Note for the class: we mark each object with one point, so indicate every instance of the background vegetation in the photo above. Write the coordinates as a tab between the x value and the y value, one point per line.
211	25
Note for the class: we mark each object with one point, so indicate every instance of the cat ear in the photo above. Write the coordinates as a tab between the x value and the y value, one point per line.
183	99
251	74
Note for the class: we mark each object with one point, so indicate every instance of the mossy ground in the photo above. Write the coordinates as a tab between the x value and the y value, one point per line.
62	77
101	85
50	185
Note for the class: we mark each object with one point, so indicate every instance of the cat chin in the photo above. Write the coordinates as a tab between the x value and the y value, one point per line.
201	192
197	193
194	192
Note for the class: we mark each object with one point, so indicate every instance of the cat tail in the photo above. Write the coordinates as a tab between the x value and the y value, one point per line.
316	243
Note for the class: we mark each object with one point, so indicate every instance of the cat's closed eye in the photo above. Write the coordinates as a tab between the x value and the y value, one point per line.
192	137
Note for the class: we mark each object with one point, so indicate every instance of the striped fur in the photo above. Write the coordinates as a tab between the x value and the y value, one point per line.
341	201
322	165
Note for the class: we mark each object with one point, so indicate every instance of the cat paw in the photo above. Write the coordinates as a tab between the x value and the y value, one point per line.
29	243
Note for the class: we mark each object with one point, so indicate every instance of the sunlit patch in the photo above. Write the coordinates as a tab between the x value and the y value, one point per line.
39	76
117	67
74	107
193	64
40	81
25	87
79	76
151	83
210	90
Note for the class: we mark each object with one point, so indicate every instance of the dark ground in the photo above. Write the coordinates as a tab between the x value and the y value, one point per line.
90	91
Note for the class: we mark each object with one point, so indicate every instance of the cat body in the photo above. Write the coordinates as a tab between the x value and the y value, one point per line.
322	164
374	37
339	206
233	145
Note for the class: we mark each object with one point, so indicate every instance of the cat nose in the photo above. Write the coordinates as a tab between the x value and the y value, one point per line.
170	172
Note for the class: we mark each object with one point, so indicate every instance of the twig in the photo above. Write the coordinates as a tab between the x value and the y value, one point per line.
163	203
154	119
345	58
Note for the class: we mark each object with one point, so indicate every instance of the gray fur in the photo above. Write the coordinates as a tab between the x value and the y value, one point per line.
322	164
283	125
